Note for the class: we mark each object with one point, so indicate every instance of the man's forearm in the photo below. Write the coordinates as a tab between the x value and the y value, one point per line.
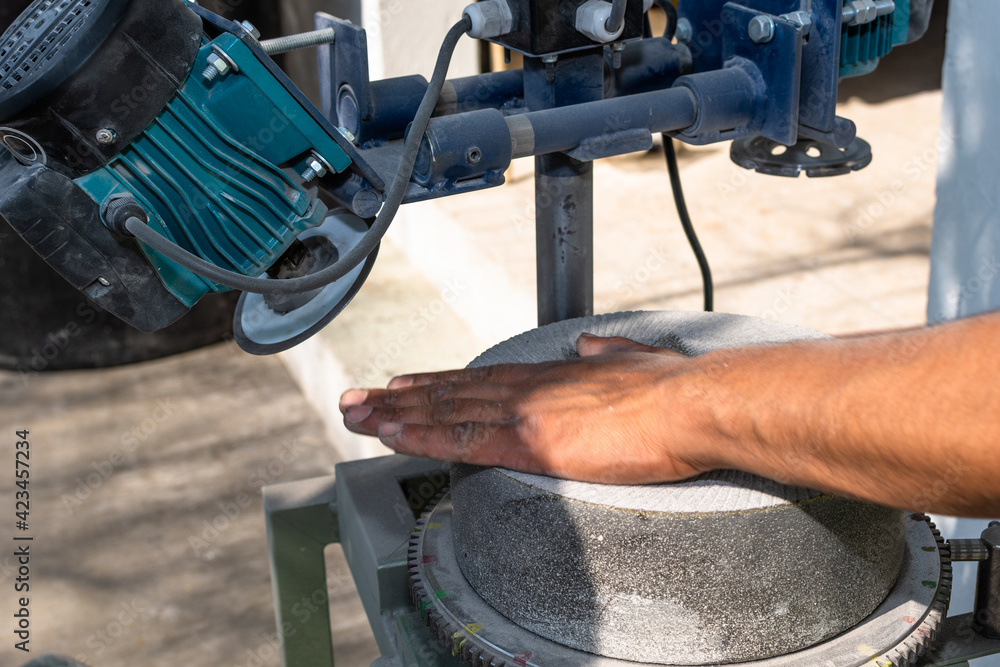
908	419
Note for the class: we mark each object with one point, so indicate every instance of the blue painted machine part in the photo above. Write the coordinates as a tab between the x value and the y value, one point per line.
219	169
863	46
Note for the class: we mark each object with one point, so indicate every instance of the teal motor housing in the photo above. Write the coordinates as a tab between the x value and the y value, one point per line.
864	44
219	171
181	114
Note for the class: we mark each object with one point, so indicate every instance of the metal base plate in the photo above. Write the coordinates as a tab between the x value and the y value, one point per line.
895	634
260	330
816	159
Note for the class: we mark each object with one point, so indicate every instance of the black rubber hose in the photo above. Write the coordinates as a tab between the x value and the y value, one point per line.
368	243
617	17
668	8
682	213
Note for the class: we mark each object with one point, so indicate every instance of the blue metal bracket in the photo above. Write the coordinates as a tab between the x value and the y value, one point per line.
779	62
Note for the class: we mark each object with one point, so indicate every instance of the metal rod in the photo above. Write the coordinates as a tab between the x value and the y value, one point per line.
564	192
564	237
563	128
305	40
987	607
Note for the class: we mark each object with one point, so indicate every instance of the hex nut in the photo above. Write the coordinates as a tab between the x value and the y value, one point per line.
684	31
761	29
221	66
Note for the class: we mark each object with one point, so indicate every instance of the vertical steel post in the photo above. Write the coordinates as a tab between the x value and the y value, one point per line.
564	190
987	611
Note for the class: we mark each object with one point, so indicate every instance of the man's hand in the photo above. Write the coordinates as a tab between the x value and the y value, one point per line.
599	418
907	419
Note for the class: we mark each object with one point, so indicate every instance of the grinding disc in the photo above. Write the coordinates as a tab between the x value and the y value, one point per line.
897	634
726	567
260	330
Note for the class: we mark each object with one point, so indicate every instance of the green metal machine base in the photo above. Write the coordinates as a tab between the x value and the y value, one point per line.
370	507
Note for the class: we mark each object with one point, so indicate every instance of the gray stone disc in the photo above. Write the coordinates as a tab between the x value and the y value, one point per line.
727	567
895	634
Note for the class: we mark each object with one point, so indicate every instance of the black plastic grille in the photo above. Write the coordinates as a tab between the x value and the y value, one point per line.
48	43
38	35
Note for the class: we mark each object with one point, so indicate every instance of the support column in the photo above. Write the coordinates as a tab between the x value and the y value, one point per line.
564	191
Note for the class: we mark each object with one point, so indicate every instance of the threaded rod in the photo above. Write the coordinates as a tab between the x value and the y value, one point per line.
273	47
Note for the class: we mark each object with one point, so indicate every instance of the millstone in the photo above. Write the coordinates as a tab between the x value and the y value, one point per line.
726	567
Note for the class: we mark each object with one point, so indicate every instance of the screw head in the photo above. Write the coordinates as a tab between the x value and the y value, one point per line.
801	19
684	31
251	29
473	156
105	136
761	29
347	134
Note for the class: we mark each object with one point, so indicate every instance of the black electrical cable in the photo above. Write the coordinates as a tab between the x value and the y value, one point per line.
617	17
668	8
368	243
682	213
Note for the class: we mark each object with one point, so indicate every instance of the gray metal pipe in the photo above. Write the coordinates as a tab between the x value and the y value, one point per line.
563	128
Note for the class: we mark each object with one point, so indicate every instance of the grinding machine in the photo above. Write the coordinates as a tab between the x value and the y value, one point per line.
152	152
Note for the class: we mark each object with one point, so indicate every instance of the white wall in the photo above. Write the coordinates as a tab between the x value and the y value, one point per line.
966	239
404	37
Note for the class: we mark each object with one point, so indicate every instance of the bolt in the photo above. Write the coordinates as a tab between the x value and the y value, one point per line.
801	19
684	31
761	29
616	54
550	67
994	524
473	155
347	134
273	47
219	64
251	30
104	281
105	136
216	67
316	167
859	12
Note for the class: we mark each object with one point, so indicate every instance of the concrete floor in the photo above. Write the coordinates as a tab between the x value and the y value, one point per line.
149	542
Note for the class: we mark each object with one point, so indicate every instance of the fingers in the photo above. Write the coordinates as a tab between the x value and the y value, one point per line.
366	419
476	443
483	374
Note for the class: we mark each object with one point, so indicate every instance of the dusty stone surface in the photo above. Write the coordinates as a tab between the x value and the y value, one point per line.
726	567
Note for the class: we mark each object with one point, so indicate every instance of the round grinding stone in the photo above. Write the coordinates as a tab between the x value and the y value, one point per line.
726	567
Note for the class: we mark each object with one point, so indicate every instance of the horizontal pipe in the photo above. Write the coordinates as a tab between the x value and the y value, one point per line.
564	128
